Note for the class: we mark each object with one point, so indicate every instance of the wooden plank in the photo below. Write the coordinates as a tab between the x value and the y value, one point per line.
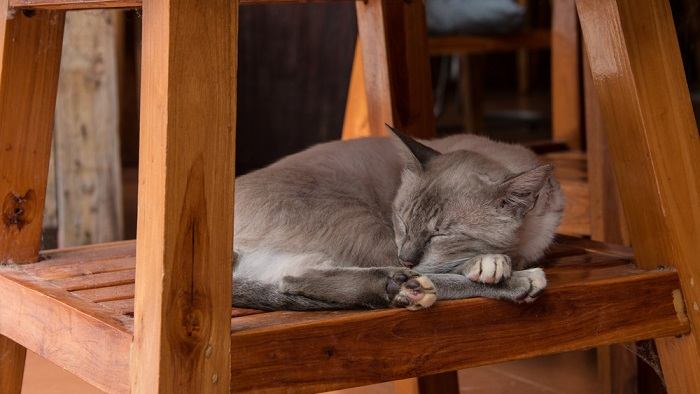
395	64
566	112
311	351
185	221
80	336
95	281
88	167
69	269
465	44
617	367
103	294
97	4
356	120
653	139
30	50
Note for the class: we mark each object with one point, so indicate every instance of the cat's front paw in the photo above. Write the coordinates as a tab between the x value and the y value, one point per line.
489	268
410	290
525	285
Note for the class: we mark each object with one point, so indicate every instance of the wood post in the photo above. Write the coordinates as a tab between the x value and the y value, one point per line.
566	101
30	52
638	76
395	67
88	167
185	221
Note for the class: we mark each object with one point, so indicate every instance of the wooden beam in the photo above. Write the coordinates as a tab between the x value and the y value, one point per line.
566	101
356	120
69	331
30	51
653	139
318	347
88	166
100	4
396	67
186	174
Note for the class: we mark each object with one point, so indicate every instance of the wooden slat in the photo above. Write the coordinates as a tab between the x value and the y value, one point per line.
97	4
50	270
30	50
653	140
464	44
356	120
95	281
102	294
313	351
566	112
185	211
395	66
80	336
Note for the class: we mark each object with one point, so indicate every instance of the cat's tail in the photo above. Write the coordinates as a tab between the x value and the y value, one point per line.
253	294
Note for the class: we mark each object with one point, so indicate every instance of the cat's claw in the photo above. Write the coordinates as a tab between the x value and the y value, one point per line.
527	285
411	290
489	268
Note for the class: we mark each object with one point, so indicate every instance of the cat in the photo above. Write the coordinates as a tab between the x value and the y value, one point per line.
394	222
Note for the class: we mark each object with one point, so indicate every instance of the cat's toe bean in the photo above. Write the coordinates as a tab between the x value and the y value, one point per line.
415	292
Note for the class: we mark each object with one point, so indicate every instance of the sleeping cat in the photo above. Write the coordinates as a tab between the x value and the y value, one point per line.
392	222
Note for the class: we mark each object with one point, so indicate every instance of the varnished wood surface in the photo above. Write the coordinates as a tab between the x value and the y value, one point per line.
185	209
653	139
97	4
566	101
30	51
395	67
592	299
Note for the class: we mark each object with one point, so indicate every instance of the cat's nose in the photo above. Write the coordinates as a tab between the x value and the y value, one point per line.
410	255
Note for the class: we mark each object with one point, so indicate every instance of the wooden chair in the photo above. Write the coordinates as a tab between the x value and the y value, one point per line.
172	329
562	39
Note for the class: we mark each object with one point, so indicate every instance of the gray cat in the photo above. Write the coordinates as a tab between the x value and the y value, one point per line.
391	222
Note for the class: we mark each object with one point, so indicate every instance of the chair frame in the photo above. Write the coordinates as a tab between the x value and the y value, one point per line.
182	338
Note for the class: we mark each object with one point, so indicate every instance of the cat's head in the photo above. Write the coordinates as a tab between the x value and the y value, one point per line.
458	205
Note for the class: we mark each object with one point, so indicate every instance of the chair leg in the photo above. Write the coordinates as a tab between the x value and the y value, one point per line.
30	51
396	67
638	76
182	330
356	121
566	112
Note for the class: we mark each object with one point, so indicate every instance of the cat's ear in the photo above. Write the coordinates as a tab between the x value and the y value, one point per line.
416	154
519	193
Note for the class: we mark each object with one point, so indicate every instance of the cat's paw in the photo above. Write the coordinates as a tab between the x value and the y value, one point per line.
489	268
526	285
410	290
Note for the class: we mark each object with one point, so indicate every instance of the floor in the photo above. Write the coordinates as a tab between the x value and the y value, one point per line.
570	373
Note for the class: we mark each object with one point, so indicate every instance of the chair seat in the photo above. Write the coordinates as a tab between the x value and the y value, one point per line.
79	302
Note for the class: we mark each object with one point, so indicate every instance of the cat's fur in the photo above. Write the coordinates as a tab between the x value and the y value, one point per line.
381	222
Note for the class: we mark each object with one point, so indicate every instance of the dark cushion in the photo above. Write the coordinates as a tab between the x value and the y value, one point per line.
478	17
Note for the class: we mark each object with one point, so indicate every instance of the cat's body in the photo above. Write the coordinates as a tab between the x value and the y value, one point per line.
318	229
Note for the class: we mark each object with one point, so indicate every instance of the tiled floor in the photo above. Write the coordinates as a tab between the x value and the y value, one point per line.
570	373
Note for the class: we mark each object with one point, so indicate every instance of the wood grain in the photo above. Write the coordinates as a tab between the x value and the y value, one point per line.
88	166
30	50
356	120
653	140
566	112
465	44
395	66
84	338
317	348
185	221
